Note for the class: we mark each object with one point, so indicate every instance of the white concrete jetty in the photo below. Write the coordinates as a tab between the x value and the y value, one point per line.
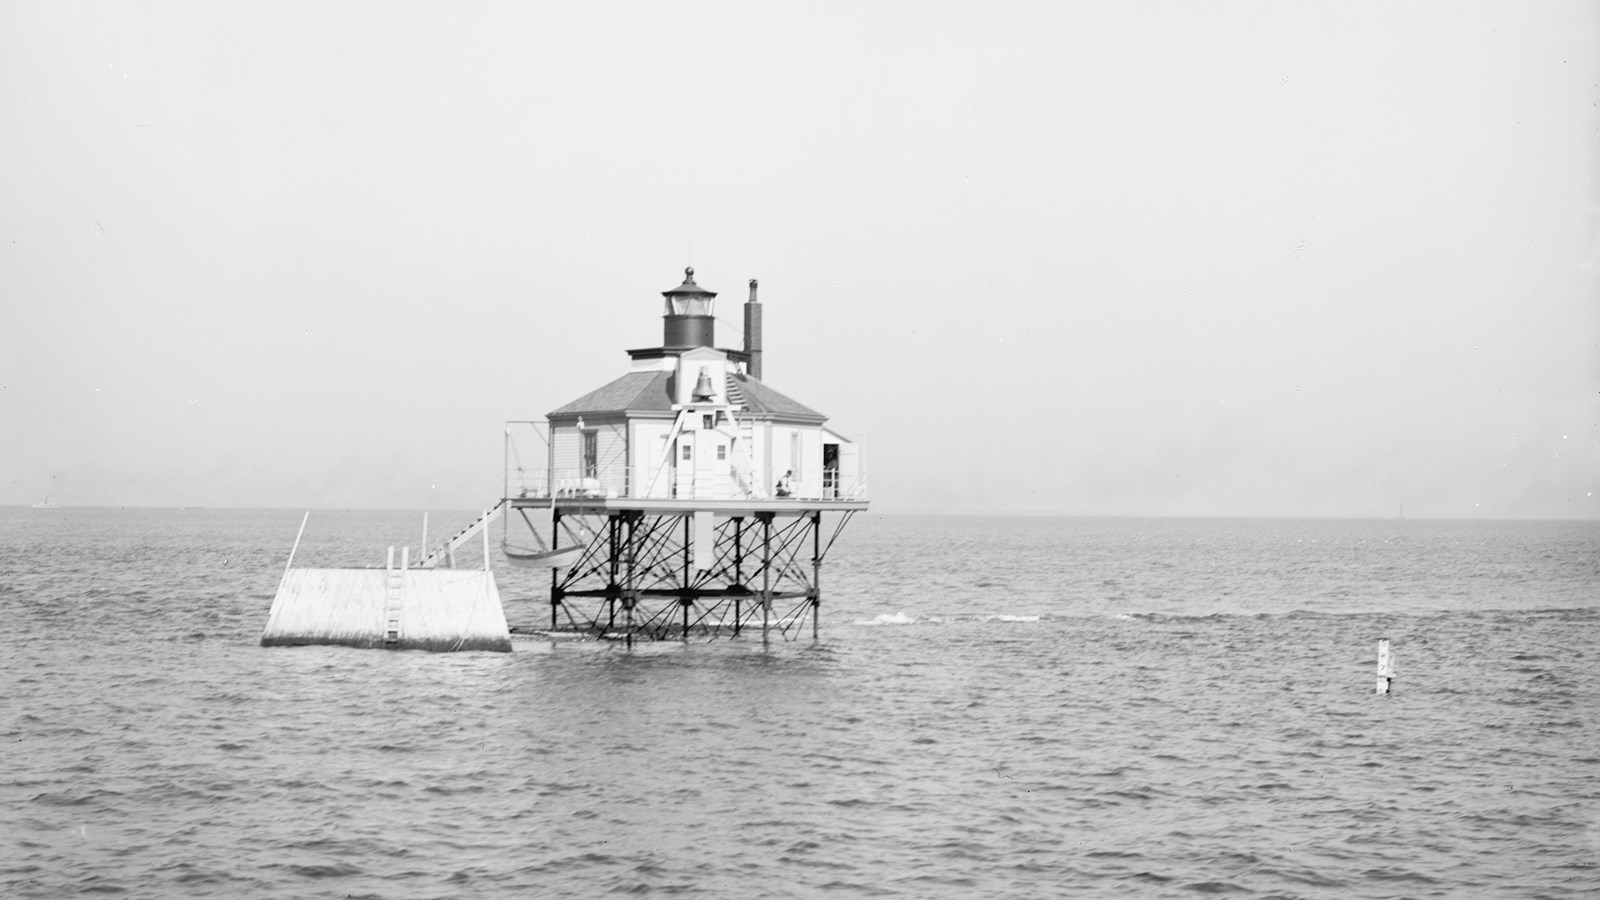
395	608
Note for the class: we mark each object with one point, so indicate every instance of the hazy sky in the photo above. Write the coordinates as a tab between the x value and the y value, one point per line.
1128	258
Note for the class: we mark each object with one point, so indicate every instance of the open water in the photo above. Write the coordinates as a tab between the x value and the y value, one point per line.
998	707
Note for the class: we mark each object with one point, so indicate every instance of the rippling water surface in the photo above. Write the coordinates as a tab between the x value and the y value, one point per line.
997	707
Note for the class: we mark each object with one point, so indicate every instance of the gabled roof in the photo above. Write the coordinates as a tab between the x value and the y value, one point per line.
762	400
633	392
651	392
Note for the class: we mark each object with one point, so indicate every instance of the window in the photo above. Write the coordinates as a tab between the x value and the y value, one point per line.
685	451
722	452
707	422
591	454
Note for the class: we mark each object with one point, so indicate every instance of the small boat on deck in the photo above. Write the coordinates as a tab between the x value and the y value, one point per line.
561	558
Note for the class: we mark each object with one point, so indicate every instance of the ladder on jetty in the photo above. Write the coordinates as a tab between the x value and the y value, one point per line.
447	550
394	597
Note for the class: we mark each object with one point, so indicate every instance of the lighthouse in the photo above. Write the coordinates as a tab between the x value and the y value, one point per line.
685	496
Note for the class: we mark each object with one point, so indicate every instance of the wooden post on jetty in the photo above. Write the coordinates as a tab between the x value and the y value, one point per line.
1385	668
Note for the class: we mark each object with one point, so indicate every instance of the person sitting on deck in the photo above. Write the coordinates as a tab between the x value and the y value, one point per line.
784	490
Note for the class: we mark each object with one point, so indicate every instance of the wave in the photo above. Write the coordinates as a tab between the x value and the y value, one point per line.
1559	613
895	618
900	618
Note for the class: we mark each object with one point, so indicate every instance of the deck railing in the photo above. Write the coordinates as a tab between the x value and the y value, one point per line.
529	476
621	482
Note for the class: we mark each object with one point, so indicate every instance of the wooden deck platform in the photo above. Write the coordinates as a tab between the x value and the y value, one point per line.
677	506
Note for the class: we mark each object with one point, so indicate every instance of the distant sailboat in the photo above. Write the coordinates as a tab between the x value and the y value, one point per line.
46	504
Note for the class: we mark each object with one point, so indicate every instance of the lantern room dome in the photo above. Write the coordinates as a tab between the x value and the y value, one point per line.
688	286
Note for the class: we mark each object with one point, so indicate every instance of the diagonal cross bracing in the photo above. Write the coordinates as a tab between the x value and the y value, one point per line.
636	575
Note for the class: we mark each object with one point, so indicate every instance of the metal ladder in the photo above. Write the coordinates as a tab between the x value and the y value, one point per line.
393	598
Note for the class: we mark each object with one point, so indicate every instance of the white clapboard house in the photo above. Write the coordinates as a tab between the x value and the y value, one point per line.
690	421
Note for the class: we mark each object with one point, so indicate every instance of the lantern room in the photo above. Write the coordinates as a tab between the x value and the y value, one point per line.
688	320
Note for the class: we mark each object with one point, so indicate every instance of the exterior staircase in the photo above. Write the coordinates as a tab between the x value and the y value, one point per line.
736	394
447	549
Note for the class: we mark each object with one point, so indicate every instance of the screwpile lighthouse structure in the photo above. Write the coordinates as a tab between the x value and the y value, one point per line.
684	497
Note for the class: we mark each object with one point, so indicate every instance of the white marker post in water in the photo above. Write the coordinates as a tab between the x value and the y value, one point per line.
1385	668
